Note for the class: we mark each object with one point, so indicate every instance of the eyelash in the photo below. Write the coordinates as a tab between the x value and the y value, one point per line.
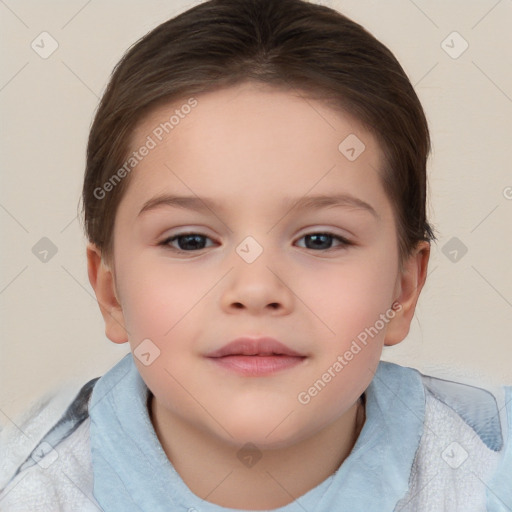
165	243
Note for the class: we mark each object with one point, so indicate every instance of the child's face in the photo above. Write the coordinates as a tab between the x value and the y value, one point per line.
254	152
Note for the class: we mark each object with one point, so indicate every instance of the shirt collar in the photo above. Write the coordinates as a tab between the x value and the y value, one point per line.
132	471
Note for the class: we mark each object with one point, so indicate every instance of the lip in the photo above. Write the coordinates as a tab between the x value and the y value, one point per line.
246	346
256	356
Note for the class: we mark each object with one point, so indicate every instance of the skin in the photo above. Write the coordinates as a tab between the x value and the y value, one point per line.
249	147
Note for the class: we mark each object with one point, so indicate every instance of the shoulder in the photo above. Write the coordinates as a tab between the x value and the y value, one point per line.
464	458
57	475
483	411
61	480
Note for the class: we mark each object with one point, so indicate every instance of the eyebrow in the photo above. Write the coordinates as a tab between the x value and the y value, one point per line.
315	202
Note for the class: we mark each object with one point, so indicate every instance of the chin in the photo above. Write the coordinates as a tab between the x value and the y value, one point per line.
267	432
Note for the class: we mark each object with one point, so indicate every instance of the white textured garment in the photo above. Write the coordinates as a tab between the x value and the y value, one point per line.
426	445
54	484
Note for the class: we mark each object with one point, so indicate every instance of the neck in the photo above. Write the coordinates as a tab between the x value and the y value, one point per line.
211	470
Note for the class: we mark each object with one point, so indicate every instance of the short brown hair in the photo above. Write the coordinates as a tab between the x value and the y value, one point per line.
290	44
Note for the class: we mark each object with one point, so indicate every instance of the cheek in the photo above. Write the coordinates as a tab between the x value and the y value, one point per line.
157	296
349	297
350	304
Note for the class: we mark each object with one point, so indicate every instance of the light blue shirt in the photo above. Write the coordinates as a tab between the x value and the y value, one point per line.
132	471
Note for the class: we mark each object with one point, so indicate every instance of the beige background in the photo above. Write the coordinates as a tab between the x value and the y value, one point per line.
52	334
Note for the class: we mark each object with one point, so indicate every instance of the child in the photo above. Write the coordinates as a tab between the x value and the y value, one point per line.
254	199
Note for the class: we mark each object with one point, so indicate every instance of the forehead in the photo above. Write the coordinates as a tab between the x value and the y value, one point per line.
252	138
262	110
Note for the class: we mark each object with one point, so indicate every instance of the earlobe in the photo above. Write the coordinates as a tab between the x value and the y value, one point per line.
409	286
103	283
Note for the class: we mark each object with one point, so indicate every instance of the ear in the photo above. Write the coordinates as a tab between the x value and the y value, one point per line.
103	283
407	291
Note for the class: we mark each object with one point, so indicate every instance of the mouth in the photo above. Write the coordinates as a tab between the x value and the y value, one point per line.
256	356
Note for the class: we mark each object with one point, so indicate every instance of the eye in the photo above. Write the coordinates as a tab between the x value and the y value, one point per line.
322	241
191	242
187	242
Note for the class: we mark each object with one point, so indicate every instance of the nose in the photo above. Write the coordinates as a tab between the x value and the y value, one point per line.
257	288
